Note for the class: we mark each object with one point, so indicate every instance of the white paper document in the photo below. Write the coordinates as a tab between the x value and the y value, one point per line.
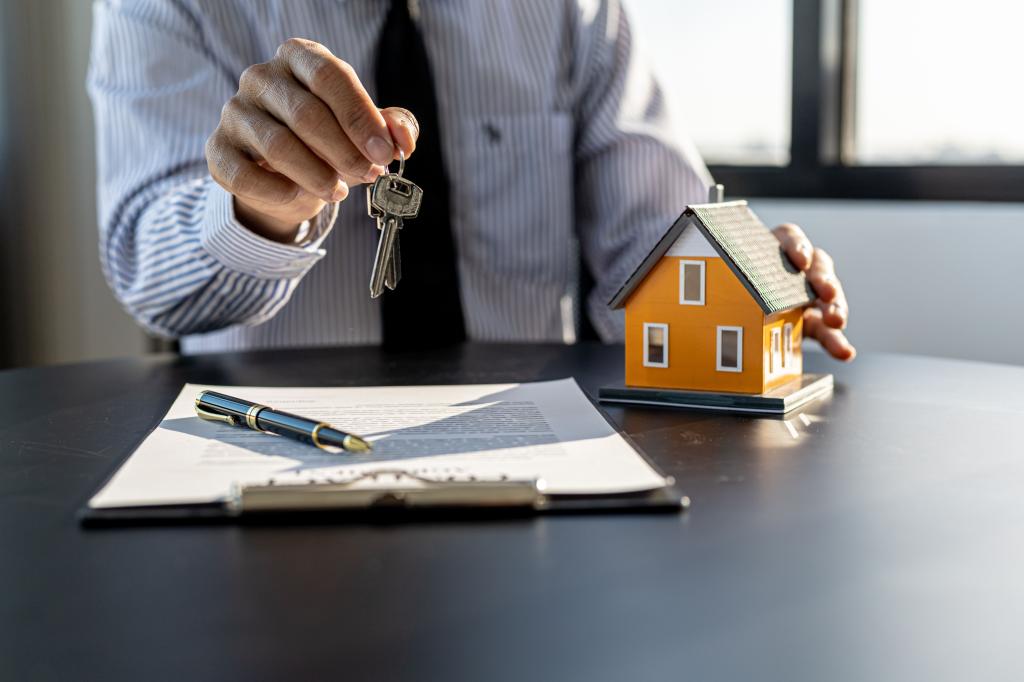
546	430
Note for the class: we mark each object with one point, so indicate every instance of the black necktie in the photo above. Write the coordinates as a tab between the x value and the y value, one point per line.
425	310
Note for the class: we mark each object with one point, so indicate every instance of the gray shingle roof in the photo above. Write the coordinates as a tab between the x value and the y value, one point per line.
746	245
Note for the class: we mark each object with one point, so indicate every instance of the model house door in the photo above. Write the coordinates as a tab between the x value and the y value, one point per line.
775	356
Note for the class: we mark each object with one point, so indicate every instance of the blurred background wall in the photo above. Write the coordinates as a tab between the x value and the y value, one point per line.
934	278
56	305
923	277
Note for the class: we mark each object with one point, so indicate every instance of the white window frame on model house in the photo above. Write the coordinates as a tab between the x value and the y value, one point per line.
739	350
647	335
774	356
682	282
787	345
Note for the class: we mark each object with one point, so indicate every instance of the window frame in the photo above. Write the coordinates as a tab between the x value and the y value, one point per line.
738	369
787	346
646	343
774	368
682	281
822	131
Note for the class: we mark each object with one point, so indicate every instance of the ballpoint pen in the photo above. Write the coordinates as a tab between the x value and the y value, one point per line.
213	406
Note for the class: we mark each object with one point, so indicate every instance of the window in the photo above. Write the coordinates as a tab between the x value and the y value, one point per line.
655	344
691	282
854	99
691	45
787	341
730	349
775	351
946	92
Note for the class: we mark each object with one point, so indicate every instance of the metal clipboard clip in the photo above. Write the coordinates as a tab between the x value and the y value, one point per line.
407	491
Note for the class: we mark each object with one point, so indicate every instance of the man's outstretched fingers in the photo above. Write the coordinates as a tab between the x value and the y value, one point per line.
243	177
834	314
796	244
832	340
314	123
822	276
336	83
261	134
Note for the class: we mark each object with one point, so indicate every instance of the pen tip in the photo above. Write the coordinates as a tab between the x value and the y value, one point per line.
356	444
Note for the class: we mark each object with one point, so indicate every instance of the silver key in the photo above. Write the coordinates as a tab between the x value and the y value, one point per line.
393	196
394	269
387	264
375	289
384	271
391	199
396	196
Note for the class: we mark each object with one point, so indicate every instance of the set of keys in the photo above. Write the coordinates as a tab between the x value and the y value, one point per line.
391	199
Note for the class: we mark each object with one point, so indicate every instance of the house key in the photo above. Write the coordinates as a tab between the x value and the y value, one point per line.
390	199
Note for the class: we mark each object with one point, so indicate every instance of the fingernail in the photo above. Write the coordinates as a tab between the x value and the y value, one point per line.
837	309
381	151
340	191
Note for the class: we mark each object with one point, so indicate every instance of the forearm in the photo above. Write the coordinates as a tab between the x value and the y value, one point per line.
170	244
181	263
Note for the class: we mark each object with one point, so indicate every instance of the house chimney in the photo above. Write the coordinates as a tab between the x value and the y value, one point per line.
716	194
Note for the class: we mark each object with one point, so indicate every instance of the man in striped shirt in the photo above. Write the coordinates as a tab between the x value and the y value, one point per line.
230	151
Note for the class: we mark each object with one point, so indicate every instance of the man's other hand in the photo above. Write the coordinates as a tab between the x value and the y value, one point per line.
300	131
825	319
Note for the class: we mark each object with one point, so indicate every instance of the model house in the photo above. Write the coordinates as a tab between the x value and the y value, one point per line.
715	306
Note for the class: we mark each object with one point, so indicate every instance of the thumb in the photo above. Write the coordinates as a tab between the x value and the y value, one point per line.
404	129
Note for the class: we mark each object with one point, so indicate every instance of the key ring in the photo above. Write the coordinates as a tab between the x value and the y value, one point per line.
401	164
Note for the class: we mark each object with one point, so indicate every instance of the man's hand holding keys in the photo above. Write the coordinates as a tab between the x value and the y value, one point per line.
300	131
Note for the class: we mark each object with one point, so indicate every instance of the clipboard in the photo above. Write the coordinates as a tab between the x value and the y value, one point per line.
391	494
395	493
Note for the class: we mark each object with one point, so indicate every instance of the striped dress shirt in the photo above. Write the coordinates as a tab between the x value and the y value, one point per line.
555	136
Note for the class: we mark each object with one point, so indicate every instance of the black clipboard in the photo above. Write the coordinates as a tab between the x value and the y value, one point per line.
452	499
389	508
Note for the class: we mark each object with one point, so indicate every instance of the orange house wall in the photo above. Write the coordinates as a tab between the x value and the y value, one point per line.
692	336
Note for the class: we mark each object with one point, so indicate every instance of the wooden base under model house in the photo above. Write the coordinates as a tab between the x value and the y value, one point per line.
715	306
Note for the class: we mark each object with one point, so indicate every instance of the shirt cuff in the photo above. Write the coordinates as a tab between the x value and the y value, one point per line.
240	249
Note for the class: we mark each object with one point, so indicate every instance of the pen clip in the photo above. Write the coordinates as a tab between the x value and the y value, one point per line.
206	415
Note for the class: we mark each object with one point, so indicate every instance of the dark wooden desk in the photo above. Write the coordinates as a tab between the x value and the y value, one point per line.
879	536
